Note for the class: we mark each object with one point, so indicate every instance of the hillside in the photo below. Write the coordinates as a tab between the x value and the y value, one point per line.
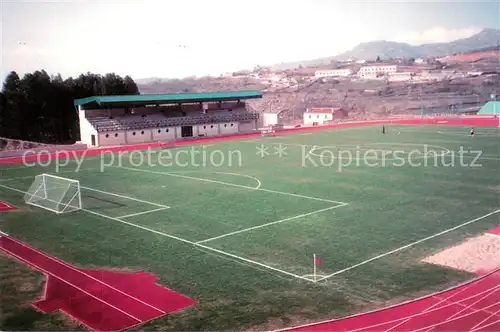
486	39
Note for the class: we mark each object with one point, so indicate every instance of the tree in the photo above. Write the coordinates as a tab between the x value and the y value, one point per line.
130	86
11	117
378	58
40	107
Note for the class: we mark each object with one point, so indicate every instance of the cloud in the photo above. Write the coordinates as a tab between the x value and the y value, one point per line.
435	35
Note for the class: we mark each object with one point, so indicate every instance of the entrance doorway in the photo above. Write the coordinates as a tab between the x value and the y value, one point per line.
187	131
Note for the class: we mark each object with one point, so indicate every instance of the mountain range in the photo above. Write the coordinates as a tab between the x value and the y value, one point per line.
487	39
484	40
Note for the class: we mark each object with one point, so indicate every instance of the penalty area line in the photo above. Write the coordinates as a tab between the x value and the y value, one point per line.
141	213
125	197
271	223
228	184
183	240
410	244
200	245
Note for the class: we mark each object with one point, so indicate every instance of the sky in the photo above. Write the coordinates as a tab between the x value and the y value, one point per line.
169	38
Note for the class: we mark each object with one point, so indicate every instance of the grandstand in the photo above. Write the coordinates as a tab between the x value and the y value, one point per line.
133	119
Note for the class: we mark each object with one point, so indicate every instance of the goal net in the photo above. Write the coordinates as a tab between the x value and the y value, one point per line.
54	193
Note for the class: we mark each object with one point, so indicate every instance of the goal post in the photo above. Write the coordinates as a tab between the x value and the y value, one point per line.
54	193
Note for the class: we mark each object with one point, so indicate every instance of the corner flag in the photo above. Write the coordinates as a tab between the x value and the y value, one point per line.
317	261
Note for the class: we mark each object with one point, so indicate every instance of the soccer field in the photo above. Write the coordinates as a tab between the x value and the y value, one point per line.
235	224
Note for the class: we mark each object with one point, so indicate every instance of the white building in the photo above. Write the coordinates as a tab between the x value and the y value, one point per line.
124	120
371	71
332	73
419	61
400	77
318	116
269	119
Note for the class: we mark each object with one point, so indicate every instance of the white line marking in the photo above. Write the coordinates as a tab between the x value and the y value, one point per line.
17	178
228	184
67	282
139	226
245	176
486	158
252	140
410	245
126	197
91	277
271	223
409	317
487	325
141	213
430	327
477	326
492	234
15	167
466	307
7	205
354	146
181	240
445	300
198	245
50	173
466	284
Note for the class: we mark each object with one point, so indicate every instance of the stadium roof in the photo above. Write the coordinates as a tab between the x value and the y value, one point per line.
141	100
491	107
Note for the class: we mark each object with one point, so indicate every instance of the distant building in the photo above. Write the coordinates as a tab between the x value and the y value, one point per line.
319	116
378	69
400	77
419	61
270	119
429	76
332	73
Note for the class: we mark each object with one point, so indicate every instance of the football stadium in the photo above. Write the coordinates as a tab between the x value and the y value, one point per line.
182	213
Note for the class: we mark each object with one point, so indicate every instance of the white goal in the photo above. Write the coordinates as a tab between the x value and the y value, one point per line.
54	193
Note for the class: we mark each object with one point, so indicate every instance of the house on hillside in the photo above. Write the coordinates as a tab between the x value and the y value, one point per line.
371	72
400	77
332	73
324	115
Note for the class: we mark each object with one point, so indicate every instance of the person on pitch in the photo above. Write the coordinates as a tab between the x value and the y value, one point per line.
383	129
472	132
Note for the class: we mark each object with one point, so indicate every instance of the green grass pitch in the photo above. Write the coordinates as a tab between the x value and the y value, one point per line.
237	230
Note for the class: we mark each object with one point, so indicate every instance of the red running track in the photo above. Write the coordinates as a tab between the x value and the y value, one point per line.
101	300
4	206
495	231
474	306
38	157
